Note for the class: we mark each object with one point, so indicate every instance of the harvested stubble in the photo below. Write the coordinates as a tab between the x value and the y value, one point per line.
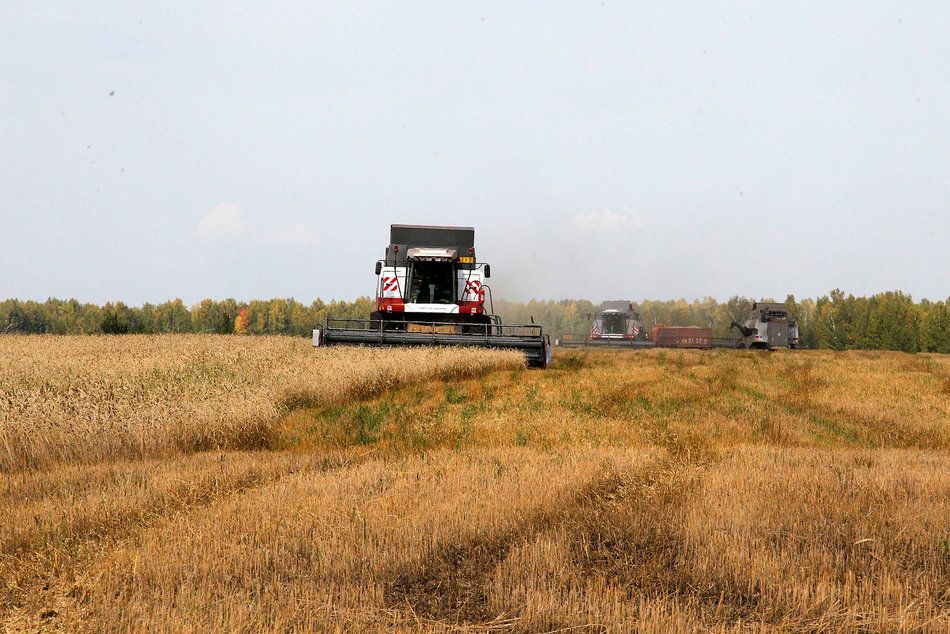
616	492
86	399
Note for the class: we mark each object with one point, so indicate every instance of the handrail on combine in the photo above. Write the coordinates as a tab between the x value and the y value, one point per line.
528	338
448	328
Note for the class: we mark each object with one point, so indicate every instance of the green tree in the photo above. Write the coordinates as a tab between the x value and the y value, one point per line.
172	316
213	317
116	319
935	328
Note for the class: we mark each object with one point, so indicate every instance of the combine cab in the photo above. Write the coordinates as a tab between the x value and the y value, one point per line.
617	325
430	290
768	327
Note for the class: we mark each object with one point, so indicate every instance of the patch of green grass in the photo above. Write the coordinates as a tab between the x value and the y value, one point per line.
827	430
453	395
832	432
643	403
570	362
750	392
331	413
367	423
575	403
358	424
529	403
521	437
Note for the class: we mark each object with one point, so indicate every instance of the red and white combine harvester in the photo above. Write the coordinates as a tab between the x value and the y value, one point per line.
616	325
431	290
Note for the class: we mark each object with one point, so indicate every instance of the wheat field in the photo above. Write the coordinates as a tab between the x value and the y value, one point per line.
84	399
454	490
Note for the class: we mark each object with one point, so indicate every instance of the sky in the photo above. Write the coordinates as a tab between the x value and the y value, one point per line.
602	150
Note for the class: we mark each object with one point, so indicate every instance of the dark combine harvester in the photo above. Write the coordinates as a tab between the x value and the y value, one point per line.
430	290
768	326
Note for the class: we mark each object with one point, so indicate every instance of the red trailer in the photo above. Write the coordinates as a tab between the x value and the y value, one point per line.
681	336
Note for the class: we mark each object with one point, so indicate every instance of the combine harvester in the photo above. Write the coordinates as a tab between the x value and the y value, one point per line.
430	291
768	327
617	325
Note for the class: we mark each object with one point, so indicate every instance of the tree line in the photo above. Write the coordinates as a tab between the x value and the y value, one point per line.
257	317
886	321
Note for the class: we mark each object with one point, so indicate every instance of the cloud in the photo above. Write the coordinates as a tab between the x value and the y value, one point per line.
300	234
607	221
224	219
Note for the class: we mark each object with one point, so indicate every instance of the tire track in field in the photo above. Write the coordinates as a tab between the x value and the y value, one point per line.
619	528
39	569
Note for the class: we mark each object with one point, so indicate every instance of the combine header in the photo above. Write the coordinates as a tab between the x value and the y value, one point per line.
430	291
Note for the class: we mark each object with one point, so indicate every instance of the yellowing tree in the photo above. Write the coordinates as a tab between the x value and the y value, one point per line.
241	321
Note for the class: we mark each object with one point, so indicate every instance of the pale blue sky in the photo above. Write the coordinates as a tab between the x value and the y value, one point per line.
601	150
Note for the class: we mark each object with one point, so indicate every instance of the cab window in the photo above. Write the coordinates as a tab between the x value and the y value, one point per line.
431	283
